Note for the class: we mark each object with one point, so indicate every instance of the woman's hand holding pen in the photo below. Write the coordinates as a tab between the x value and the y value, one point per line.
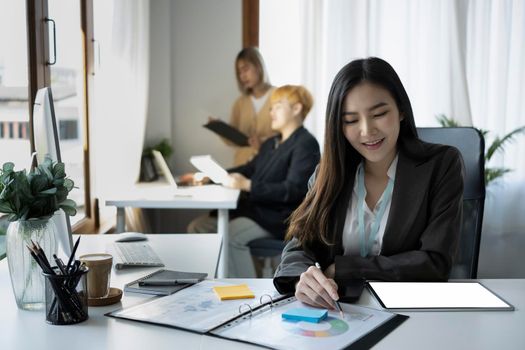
316	289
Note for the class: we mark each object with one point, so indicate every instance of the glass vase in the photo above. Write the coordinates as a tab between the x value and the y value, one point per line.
26	275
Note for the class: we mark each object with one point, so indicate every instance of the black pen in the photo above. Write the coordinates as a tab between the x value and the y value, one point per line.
72	257
168	283
335	301
60	264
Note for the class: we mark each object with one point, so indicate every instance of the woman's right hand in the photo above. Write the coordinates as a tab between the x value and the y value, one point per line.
255	142
187	178
193	179
315	289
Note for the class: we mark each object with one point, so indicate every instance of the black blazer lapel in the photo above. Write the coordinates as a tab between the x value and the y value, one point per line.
412	178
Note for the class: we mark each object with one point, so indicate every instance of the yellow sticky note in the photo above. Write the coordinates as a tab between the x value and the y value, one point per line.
240	291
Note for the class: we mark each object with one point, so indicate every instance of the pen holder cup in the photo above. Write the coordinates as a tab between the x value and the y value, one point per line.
66	297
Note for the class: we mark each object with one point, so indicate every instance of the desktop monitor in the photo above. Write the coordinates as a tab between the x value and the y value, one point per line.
47	143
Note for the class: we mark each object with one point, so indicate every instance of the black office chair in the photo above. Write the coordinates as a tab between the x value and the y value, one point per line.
266	249
470	143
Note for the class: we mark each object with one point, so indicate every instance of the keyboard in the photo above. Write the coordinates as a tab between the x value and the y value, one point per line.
135	254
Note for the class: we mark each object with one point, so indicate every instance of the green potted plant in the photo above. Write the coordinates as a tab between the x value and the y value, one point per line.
30	199
497	145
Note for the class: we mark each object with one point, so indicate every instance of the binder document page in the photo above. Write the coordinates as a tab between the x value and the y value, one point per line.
197	308
268	328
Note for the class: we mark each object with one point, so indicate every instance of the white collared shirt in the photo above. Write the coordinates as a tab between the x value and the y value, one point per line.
351	244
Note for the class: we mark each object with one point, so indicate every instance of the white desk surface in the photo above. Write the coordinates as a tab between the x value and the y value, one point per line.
161	195
423	330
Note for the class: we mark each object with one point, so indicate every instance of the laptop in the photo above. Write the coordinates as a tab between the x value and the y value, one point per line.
166	172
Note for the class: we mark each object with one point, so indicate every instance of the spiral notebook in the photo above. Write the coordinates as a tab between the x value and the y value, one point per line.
259	321
166	276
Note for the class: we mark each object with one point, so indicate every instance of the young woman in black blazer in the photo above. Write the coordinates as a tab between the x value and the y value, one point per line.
383	204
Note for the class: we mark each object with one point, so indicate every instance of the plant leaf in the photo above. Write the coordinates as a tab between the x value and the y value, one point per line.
8	167
498	144
69	184
484	133
5	208
36	194
69	210
38	183
48	162
491	174
23	214
51	190
59	170
69	203
48	173
58	182
446	122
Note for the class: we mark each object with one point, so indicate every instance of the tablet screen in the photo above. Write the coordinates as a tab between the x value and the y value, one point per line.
436	295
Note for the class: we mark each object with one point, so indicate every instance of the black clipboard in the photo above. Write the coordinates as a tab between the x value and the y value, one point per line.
228	132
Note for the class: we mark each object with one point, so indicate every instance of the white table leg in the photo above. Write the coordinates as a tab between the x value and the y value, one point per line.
121	219
222	230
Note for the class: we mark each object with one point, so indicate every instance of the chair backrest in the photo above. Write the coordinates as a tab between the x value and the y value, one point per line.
470	143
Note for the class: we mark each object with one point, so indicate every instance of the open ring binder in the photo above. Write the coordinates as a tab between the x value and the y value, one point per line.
259	322
266	295
261	302
240	309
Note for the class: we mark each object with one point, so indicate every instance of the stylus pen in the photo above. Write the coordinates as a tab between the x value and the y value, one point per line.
335	301
168	283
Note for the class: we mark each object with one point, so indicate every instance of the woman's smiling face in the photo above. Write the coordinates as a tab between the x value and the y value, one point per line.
371	122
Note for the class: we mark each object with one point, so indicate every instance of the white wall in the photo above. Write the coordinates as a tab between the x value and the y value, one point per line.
159	123
206	36
193	47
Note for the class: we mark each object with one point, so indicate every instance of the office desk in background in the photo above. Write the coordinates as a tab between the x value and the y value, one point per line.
423	330
162	196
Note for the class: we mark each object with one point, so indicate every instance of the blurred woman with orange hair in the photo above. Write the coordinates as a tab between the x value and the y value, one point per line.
273	184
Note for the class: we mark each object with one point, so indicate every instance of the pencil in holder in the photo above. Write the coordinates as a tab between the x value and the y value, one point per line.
66	297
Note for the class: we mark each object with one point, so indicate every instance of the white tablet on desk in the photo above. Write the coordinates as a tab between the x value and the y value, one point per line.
437	296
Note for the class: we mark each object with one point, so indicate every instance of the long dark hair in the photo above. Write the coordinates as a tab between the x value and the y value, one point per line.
313	219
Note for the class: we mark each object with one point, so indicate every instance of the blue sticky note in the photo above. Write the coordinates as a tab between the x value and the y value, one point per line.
304	314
